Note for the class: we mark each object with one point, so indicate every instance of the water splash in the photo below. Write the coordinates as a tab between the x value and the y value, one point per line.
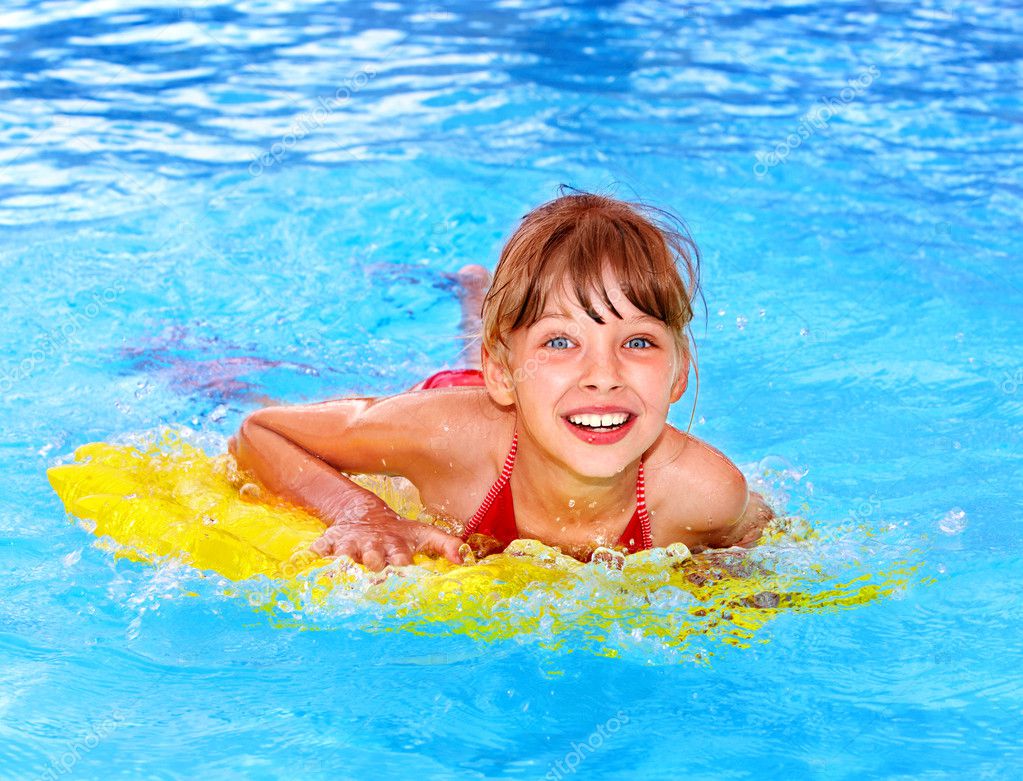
954	521
169	502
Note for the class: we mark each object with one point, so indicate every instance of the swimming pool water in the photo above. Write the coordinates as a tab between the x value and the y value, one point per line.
212	205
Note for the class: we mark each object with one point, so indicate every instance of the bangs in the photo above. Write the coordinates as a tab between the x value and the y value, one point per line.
570	243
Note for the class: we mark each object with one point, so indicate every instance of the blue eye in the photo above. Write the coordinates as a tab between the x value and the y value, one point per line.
633	340
558	343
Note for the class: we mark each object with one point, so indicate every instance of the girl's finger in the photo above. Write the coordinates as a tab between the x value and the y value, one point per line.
323	546
329	543
398	555
440	543
373	558
349	549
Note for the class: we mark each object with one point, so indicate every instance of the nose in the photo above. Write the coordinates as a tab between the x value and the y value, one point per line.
601	372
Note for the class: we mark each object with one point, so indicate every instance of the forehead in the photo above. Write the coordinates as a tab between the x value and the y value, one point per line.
564	303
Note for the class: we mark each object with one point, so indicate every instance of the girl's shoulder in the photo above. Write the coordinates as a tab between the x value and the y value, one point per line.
459	429
408	434
463	440
694	492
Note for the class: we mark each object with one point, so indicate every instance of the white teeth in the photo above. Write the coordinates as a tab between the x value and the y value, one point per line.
599	421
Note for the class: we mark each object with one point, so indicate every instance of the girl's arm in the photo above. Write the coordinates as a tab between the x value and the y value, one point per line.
388	435
750	525
716	509
275	444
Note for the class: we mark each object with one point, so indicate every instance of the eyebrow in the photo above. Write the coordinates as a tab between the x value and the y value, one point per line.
629	321
642	318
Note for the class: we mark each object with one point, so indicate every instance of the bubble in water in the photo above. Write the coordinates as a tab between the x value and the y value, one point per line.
954	521
250	491
571	502
72	558
678	550
134	628
779	465
740	322
608	557
766	599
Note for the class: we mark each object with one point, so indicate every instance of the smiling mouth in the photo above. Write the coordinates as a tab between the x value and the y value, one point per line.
600	423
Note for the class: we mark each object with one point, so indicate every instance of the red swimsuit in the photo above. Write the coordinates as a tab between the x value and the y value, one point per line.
452	378
496	516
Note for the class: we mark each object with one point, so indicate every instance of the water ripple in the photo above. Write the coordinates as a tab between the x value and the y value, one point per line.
108	101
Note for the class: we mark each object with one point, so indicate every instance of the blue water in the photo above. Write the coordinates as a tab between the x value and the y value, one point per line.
208	206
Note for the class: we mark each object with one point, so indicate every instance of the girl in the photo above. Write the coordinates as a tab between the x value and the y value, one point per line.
560	435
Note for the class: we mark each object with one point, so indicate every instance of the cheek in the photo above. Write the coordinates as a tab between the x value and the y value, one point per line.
538	388
542	370
656	379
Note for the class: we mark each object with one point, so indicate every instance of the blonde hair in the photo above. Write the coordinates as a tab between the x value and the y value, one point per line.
573	239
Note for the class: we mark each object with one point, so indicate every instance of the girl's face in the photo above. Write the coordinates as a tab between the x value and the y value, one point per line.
594	396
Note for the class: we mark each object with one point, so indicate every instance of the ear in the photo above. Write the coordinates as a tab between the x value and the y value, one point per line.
498	380
682	380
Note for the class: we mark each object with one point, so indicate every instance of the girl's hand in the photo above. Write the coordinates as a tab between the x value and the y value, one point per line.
385	538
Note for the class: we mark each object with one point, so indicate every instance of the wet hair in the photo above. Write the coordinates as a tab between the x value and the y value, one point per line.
570	241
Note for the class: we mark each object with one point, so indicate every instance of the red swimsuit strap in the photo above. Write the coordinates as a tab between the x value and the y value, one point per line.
641	513
495	489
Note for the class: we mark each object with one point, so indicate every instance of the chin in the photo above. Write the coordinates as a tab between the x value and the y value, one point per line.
601	467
